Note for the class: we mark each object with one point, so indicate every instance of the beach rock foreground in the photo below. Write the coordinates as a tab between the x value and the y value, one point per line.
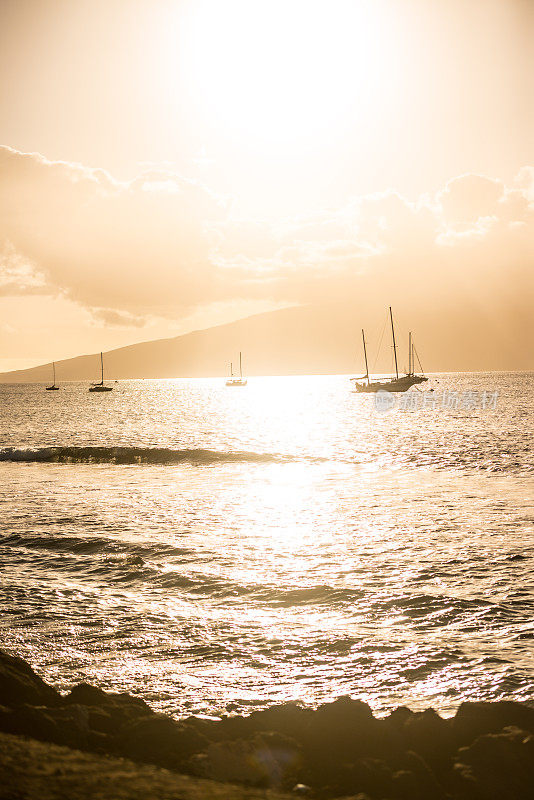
485	752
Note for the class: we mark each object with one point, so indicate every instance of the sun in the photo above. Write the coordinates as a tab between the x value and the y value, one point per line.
280	75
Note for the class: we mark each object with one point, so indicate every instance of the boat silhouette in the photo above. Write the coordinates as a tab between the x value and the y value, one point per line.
397	384
54	387
234	380
100	387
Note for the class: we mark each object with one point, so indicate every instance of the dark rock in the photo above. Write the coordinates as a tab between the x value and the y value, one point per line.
416	781
31	721
73	725
431	737
131	705
475	719
103	721
398	718
390	733
86	695
497	767
369	776
19	684
289	719
336	733
267	760
209	728
49	724
302	790
160	740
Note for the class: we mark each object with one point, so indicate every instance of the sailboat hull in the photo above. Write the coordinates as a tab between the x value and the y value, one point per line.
394	385
52	388
100	388
236	382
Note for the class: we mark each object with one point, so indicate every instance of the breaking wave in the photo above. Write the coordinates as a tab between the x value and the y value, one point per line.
134	455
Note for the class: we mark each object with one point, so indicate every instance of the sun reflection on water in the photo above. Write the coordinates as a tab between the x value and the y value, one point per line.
346	556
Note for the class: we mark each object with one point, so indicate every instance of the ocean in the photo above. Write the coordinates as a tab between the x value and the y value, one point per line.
215	549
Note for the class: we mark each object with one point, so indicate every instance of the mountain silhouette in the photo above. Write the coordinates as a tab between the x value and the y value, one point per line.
319	339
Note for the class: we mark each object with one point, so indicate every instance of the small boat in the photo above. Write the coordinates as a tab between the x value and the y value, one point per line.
99	387
234	380
398	383
54	387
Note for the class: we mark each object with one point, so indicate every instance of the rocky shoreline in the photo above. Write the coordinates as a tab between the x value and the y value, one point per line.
484	752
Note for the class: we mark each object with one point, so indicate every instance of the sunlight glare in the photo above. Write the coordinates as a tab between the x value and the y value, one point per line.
274	74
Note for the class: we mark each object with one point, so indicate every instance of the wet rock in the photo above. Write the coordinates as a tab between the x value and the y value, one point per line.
475	719
19	684
158	739
497	767
268	760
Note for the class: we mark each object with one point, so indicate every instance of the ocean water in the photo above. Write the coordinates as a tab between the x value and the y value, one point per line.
216	549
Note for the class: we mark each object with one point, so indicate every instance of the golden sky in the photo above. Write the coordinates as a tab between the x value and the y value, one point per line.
170	164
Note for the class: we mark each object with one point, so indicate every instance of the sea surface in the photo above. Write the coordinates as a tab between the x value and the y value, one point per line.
216	549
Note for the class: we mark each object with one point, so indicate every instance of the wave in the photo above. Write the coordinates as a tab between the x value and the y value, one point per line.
134	455
89	545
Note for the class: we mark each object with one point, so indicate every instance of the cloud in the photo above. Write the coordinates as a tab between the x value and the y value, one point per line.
17	275
119	319
140	247
472	242
467	198
165	246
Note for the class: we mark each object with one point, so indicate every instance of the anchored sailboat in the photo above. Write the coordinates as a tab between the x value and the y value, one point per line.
233	380
99	387
396	384
54	387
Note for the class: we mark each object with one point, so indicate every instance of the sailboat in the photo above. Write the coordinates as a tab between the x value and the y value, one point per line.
99	387
233	380
398	383
54	387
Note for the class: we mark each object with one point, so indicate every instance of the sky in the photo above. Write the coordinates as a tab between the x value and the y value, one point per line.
167	165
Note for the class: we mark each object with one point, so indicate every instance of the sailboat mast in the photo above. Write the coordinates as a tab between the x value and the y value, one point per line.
54	371
394	344
102	368
410	353
240	370
365	356
415	353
